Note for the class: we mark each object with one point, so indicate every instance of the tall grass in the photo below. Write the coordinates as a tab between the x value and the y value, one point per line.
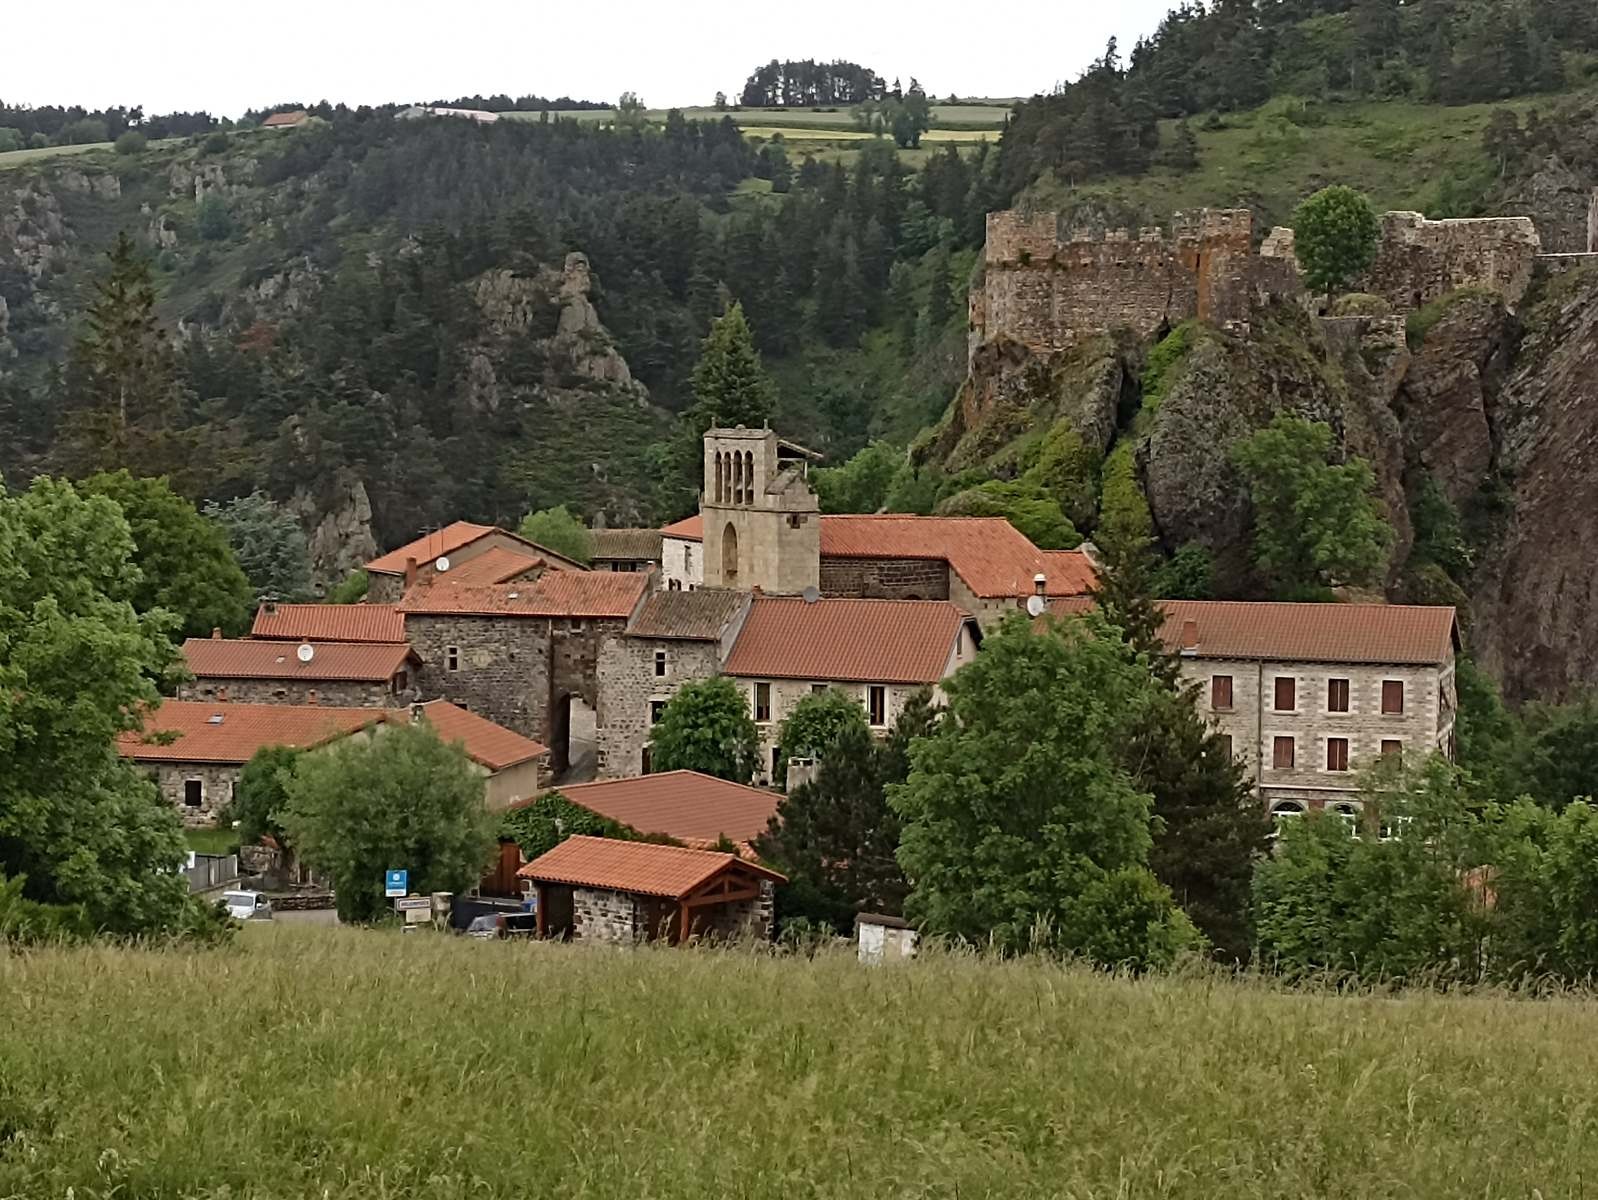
337	1063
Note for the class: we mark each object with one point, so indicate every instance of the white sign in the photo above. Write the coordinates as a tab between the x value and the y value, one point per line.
413	903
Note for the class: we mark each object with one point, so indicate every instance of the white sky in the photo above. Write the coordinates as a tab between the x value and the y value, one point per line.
227	57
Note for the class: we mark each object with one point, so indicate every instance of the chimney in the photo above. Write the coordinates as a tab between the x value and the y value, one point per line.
271	608
310	696
410	572
418	714
1040	584
1190	639
216	633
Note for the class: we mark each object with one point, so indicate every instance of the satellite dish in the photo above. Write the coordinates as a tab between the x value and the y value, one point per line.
305	653
810	595
442	564
1035	606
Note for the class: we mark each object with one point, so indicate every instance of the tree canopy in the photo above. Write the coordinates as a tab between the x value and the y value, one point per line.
561	530
261	794
270	545
1335	235
706	727
816	724
400	799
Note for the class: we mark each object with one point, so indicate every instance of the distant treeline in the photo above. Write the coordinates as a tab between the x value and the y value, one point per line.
1236	54
504	103
73	124
808	83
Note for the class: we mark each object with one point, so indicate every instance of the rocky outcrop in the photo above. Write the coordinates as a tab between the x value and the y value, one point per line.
338	527
1534	608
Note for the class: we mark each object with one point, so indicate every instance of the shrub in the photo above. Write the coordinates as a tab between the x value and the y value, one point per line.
212	219
131	142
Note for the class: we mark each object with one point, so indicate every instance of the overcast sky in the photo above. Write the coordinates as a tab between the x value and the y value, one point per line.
227	57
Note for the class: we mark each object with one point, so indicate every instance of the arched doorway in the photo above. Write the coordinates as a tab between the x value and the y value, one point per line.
729	555
573	741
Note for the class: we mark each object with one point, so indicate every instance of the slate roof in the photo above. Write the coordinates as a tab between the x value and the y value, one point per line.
1374	634
242	658
591	594
642	868
330	623
701	615
870	641
684	805
629	544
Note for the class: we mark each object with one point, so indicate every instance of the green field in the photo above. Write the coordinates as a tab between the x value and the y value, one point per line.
336	1064
17	158
944	116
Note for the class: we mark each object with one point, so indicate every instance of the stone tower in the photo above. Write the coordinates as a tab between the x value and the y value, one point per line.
762	523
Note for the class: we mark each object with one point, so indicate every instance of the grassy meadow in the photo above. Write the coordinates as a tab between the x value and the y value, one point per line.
336	1063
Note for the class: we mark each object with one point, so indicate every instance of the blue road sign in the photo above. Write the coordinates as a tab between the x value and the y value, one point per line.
396	883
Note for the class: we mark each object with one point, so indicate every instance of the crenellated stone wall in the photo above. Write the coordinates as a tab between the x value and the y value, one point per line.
1419	261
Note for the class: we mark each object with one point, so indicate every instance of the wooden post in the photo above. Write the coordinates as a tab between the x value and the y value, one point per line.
687	917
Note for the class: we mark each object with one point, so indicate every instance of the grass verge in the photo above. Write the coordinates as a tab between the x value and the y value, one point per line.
338	1063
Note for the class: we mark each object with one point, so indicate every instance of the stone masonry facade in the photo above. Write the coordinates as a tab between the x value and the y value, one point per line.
214	791
630	691
885	578
334	693
1253	722
620	918
601	915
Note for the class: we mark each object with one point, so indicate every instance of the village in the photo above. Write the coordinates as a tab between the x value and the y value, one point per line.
551	674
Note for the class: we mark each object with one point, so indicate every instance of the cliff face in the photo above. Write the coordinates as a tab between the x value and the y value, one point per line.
1496	413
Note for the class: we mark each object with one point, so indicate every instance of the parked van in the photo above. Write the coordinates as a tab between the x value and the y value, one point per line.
248	906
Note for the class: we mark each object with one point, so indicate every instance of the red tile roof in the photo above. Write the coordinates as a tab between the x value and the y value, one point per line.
871	641
1391	634
991	556
689	529
593	594
242	730
361	662
330	622
1070	572
290	117
684	805
498	564
642	868
494	746
427	548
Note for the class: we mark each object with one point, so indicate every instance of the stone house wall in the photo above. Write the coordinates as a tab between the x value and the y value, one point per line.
601	915
384	589
885	578
1253	725
332	693
682	564
742	919
216	789
502	667
629	687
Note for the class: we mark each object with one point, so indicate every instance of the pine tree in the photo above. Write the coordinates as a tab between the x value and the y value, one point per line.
731	386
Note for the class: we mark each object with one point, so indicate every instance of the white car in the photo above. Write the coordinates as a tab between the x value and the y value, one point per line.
247	906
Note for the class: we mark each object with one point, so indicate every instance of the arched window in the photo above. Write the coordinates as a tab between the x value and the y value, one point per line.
749	477
719	494
729	555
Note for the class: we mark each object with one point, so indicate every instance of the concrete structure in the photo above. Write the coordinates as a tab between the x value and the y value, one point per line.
603	890
762	522
884	939
1308	694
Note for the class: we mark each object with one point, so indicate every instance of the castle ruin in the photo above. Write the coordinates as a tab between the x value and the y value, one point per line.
1049	288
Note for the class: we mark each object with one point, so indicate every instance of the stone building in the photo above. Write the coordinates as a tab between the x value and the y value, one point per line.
454	547
682	562
195	750
673	638
522	654
347	674
761	520
1418	261
626	550
878	652
1308	694
604	890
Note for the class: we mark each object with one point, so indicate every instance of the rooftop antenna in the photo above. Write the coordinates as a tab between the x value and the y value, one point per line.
306	652
1035	605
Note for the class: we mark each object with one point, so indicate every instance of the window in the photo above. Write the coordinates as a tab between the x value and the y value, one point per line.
660	663
1286	693
193	793
452	658
817	689
656	708
1284	811
674	585
1337	754
762	702
1393	697
1393	748
687	560
776	761
644	762
1282	754
1221	693
877	704
1337	695
1350	816
402	681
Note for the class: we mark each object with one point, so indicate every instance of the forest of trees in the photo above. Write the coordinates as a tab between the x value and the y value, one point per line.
1235	54
807	83
74	125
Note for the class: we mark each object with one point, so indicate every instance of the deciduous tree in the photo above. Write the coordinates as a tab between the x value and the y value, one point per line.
561	530
261	794
1335	235
815	725
270	545
706	727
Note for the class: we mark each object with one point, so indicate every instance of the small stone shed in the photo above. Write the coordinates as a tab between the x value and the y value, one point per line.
604	890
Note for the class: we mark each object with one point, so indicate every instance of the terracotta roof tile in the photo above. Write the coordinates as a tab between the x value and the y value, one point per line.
633	544
498	564
330	622
689	529
684	805
242	730
494	746
872	641
643	868
428	547
362	662
991	556
1396	634
701	615
591	594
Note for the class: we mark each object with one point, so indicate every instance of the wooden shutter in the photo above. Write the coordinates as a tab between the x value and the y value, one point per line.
1392	695
1337	695
1282	754
1286	693
1221	692
1337	754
